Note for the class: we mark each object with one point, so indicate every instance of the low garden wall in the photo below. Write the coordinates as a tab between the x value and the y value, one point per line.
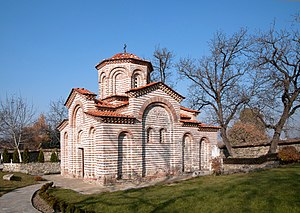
254	157
238	168
33	168
254	151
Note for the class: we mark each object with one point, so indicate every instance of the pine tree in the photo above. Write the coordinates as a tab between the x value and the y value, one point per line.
5	156
16	157
26	156
54	157
41	158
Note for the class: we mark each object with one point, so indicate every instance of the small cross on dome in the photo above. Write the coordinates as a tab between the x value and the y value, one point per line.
125	46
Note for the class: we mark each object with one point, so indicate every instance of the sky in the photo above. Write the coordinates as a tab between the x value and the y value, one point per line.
49	47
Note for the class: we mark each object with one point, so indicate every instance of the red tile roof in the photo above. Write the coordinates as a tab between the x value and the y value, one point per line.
107	114
189	110
125	56
84	91
208	126
143	87
191	121
160	85
115	98
183	116
109	105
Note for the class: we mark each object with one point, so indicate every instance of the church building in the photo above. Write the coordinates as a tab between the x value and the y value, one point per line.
133	128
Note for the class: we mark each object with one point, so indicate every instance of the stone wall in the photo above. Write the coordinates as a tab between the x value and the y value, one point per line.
237	168
254	151
33	168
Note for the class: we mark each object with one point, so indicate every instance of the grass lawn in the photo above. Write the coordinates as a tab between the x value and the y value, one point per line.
19	180
275	190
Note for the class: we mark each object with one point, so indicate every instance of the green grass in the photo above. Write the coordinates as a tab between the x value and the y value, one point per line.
275	190
19	180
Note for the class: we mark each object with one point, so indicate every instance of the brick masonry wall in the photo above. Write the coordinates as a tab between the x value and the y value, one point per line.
94	149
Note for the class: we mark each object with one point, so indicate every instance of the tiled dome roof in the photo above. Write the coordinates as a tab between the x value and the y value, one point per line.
124	57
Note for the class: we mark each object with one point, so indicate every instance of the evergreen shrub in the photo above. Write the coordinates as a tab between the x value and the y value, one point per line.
5	156
16	157
41	158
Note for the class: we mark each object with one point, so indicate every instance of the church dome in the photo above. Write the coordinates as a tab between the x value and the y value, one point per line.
124	57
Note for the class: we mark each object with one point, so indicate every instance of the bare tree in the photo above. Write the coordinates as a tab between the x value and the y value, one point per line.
277	60
57	113
217	79
15	115
162	63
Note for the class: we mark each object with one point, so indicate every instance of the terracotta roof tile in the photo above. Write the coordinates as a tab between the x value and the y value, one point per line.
184	116
143	87
109	105
124	56
107	114
160	85
189	110
84	91
190	121
209	126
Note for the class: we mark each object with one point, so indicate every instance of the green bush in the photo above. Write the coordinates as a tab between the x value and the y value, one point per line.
41	158
70	208
216	166
16	157
45	187
5	156
26	156
62	206
54	157
289	154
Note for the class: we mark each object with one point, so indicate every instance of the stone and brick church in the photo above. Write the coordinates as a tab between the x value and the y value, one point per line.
134	128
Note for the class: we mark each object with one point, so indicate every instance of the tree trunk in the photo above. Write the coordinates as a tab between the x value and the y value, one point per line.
226	141
20	156
274	143
278	128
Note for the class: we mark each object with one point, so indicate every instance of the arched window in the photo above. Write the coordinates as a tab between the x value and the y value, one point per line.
162	135
79	137
66	145
78	116
103	87
136	80
149	135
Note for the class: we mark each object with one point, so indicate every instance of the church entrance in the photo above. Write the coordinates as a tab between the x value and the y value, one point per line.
124	156
187	161
203	155
81	162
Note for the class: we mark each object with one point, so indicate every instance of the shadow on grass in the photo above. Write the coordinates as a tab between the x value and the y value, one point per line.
16	178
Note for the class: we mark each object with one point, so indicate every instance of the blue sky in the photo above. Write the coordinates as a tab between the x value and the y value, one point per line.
49	47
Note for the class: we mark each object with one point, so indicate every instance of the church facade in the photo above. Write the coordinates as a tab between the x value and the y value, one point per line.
134	128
